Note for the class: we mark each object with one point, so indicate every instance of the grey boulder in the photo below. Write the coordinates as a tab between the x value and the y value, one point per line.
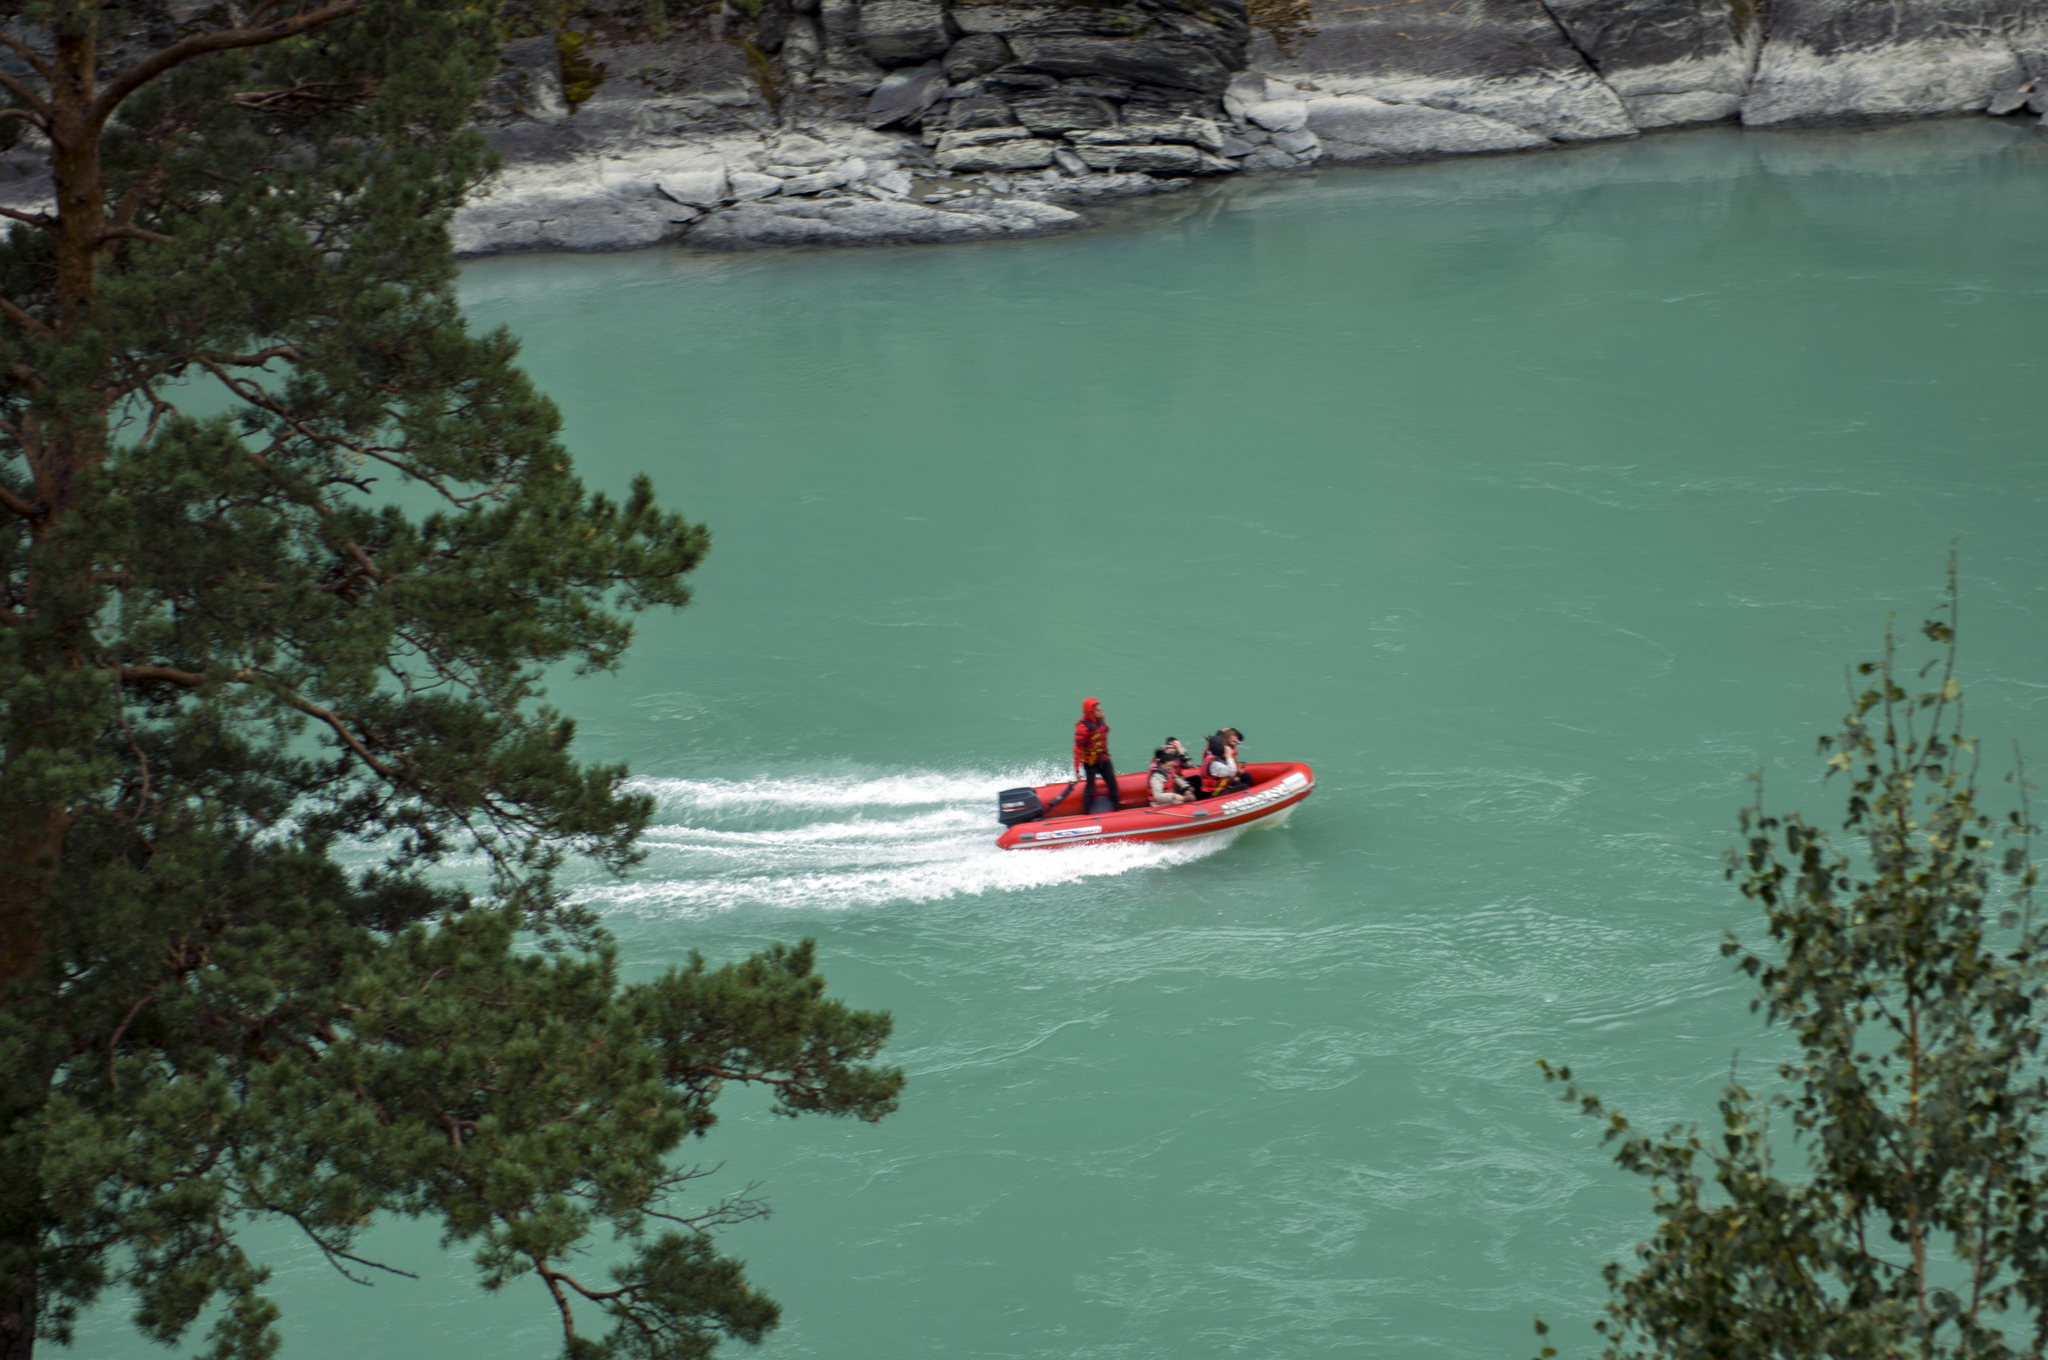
745	185
1063	112
2010	101
696	188
899	32
1273	158
1170	158
1200	132
1028	153
562	222
976	55
867	221
905	94
949	141
1279	115
814	183
980	111
1360	128
1245	88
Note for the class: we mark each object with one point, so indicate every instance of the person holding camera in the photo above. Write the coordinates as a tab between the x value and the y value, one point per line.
1169	779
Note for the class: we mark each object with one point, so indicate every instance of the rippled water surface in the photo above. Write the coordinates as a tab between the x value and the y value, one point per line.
1534	501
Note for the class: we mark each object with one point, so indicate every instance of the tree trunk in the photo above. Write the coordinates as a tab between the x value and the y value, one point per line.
70	440
28	863
18	1320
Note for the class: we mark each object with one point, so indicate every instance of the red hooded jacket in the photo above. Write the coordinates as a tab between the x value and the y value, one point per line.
1091	735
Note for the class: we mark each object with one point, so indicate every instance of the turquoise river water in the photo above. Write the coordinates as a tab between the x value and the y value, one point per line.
1535	501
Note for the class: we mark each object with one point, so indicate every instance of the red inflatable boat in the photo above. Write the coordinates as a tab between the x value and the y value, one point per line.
1050	815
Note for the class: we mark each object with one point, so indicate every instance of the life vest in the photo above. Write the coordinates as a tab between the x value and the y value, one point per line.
1176	782
1210	784
1091	742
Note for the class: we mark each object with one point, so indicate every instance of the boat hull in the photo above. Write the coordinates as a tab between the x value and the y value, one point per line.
1277	788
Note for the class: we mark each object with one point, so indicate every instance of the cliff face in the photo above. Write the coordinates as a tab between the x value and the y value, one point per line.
1571	69
1829	60
799	121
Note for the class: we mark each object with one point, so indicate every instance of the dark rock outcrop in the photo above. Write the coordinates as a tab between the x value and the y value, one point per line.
1172	63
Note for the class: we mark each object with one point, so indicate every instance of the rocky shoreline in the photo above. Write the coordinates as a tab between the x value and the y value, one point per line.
753	123
819	122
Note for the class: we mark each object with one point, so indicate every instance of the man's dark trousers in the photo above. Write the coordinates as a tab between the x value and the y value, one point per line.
1103	770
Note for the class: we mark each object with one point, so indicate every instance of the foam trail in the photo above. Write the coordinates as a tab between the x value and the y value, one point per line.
817	842
910	789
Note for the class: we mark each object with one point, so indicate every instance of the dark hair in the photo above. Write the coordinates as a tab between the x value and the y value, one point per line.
1161	754
1216	744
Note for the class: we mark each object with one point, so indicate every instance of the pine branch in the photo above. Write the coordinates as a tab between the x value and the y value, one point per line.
37	105
43	220
305	92
125	232
256	359
185	679
26	320
202	44
28	54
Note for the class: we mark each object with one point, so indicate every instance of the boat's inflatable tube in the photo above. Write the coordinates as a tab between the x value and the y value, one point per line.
1277	785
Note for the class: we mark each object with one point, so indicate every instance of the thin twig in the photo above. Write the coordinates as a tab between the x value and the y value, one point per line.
141	759
114	1041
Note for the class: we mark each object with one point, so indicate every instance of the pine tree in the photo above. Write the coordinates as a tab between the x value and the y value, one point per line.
284	553
1914	1221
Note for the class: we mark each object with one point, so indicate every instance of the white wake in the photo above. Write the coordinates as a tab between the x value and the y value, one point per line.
815	841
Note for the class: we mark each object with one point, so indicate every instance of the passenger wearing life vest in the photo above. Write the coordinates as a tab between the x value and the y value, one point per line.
1091	754
1168	781
1220	771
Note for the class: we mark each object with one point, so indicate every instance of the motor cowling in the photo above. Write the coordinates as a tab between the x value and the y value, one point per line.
1018	805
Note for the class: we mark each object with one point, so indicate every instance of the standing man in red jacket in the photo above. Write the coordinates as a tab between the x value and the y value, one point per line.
1091	754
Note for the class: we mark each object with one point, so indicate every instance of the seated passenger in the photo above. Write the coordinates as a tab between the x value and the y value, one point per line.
1220	771
1234	739
1169	786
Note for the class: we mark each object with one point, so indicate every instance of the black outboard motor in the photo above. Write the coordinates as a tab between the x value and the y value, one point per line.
1018	805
